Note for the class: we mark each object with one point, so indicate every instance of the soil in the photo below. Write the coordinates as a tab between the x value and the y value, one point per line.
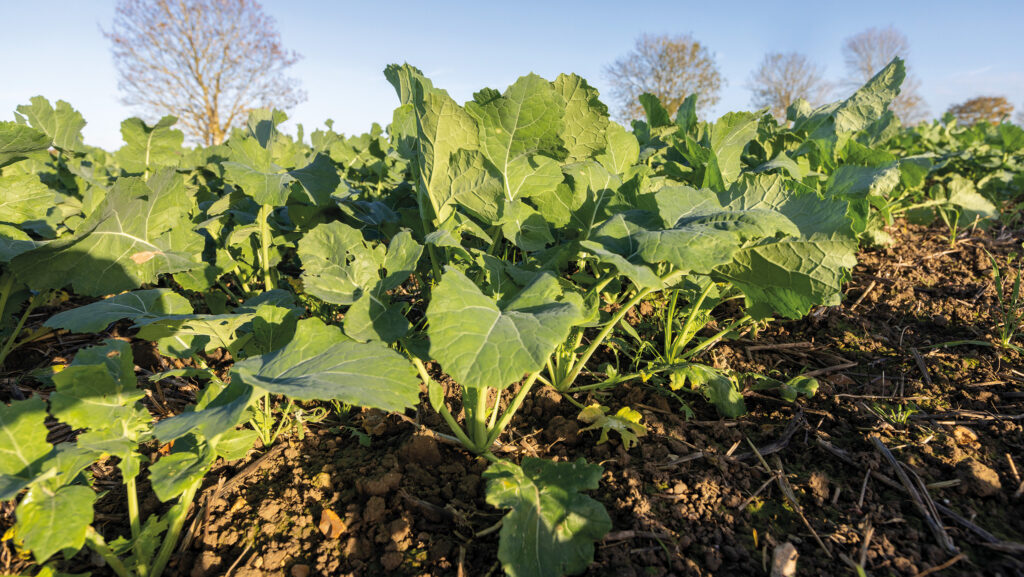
903	379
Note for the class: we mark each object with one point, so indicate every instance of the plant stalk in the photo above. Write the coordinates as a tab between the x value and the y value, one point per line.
178	513
96	542
266	239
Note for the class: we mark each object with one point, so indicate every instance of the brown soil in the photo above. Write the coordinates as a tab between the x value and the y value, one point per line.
692	498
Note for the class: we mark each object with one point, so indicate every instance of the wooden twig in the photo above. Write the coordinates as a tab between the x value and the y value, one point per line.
921	366
922	501
942	566
989	538
871	286
828	370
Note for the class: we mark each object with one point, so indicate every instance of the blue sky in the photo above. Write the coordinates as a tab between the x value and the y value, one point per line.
956	52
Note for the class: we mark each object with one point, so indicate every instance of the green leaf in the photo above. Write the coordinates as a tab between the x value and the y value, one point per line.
790	276
443	128
236	444
18	141
625	422
174	473
338	265
867	105
24	198
140	231
13	241
136	306
966	198
656	114
149	147
551	528
585	120
796	386
22	444
251	167
622	150
98	391
225	412
524	226
319	179
516	128
729	137
320	363
63	124
718	388
482	345
183	335
48	523
374	318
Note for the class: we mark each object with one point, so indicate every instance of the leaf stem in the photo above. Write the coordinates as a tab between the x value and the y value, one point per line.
443	409
11	343
133	512
513	406
178	513
96	542
266	239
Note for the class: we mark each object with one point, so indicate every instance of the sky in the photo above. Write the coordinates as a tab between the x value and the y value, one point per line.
955	52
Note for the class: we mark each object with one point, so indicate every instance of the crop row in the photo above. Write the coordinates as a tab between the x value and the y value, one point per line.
496	246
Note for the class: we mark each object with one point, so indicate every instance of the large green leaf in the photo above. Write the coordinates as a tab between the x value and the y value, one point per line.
251	167
98	391
585	120
443	129
482	345
63	124
141	230
135	306
321	363
519	134
17	141
865	106
22	444
729	136
183	335
149	147
24	197
51	522
698	242
551	528
811	213
790	276
14	241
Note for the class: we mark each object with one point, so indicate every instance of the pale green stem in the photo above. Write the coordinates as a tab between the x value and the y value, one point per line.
96	542
178	513
596	343
513	406
266	239
443	409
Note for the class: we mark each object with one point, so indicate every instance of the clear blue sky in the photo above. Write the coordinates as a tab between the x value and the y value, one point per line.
958	50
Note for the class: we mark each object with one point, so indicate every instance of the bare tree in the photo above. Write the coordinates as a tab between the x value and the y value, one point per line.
782	78
994	109
669	67
871	50
208	62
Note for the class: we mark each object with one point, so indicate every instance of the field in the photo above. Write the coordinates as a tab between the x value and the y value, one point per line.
513	336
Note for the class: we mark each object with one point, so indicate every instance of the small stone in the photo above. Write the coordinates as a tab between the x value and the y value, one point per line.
300	570
981	479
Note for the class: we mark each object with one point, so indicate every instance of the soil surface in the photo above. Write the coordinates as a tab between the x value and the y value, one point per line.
905	381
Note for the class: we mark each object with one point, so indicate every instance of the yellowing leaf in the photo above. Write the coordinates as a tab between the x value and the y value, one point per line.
626	422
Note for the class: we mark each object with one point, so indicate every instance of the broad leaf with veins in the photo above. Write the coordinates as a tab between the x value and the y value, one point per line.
141	231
